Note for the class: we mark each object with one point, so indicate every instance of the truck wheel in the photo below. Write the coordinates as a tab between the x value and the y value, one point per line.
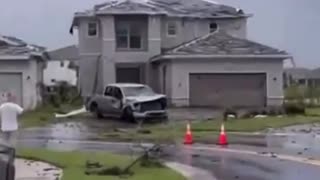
127	115
94	109
165	119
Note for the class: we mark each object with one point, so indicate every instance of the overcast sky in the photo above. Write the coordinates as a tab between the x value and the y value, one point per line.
291	25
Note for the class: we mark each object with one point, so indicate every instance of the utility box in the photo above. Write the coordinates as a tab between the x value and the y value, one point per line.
7	169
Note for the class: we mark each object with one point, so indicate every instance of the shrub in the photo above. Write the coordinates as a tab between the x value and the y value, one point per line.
295	93
229	111
62	93
269	111
295	108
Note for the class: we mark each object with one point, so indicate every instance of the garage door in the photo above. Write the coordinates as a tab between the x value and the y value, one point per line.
228	90
11	83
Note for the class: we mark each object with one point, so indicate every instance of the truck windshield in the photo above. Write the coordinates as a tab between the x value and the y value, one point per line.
138	91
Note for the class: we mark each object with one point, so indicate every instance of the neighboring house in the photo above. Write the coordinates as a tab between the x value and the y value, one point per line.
194	51
302	76
21	67
62	66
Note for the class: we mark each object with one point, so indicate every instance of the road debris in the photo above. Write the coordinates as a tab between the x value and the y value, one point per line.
72	113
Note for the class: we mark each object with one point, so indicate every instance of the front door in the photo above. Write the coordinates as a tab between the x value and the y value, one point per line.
128	75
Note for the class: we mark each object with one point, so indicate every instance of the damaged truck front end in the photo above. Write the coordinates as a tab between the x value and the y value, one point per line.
155	108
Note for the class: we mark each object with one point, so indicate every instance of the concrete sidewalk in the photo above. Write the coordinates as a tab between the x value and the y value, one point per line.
191	173
35	170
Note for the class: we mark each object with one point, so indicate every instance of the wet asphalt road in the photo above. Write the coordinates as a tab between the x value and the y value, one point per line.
296	141
230	166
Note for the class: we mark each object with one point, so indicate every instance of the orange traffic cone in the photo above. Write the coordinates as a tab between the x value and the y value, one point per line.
188	137
223	140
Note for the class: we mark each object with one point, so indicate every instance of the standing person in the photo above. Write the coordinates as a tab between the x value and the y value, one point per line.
9	120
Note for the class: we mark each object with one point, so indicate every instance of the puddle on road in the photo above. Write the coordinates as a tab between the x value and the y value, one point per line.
230	166
299	139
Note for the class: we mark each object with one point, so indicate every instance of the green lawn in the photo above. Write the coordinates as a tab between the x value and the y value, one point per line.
175	132
44	115
73	164
313	111
255	124
209	128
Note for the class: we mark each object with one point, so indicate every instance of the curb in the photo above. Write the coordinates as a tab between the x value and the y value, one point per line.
190	172
271	155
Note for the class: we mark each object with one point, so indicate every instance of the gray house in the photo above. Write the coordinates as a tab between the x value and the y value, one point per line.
194	51
62	66
21	67
302	76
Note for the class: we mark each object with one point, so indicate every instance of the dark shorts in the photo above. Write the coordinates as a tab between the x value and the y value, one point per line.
8	138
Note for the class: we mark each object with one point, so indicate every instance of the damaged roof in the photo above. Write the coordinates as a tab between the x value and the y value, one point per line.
12	46
176	8
65	53
221	43
303	73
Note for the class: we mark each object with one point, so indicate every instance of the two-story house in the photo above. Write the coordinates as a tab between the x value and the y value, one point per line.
194	51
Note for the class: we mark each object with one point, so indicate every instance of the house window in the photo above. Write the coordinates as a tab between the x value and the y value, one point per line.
122	34
128	36
213	27
171	29
92	29
135	37
302	81
164	77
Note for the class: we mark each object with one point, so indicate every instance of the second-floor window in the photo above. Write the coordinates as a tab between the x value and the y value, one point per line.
213	27
171	29
128	36
92	29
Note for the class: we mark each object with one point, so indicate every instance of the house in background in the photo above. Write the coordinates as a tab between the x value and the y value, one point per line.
21	68
302	76
62	67
194	51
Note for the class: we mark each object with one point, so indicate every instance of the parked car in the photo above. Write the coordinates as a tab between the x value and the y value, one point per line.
129	101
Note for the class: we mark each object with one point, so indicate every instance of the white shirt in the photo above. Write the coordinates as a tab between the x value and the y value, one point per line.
9	113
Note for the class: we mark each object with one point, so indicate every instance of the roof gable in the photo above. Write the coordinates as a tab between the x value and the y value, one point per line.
69	52
184	8
12	46
196	8
221	43
127	7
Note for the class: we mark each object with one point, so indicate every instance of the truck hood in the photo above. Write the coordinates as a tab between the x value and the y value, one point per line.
145	98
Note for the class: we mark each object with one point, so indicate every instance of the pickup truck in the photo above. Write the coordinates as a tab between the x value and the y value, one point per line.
128	101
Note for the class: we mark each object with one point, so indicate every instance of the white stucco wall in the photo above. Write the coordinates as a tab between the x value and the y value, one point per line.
165	80
55	71
182	68
28	69
188	29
